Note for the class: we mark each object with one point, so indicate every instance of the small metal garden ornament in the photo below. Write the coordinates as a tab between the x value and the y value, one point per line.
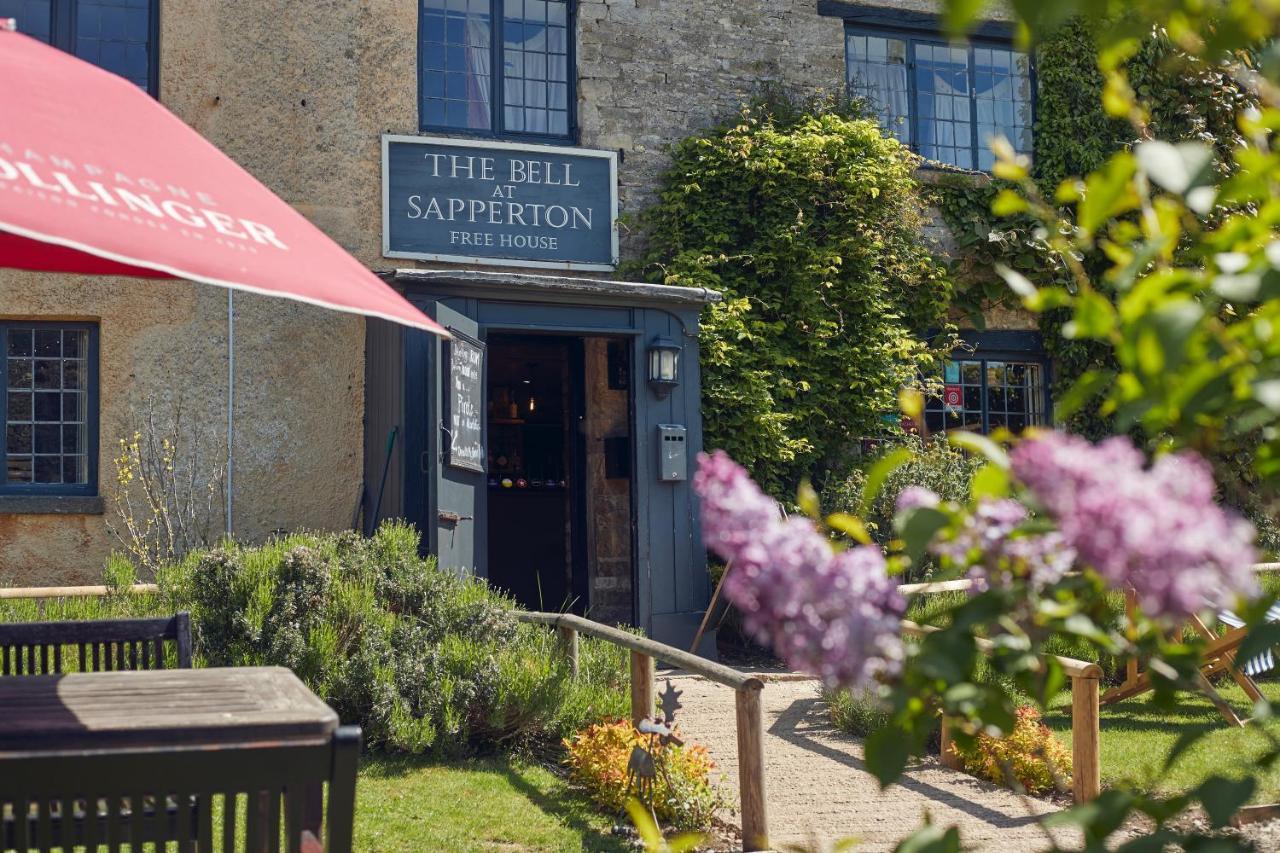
648	761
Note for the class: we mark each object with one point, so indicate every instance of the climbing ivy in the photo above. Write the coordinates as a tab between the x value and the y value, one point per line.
1186	98
809	220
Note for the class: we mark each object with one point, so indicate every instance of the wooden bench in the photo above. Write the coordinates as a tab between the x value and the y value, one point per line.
224	759
254	794
105	645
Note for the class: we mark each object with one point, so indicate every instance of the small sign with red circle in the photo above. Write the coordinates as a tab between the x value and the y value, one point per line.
953	397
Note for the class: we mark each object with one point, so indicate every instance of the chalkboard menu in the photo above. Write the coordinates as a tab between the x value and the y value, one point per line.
464	399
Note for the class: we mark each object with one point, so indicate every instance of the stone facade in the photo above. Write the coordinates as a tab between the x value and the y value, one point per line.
300	94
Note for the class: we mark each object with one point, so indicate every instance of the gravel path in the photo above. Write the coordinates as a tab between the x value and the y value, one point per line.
818	787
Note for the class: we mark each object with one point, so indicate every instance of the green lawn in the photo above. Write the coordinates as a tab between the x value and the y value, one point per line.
1137	738
408	804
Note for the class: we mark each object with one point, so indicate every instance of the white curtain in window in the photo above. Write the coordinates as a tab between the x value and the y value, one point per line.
885	86
479	56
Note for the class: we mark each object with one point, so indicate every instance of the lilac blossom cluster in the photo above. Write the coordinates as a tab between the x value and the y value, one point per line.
986	543
1157	529
835	615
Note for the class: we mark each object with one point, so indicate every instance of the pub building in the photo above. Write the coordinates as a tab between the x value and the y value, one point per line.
478	154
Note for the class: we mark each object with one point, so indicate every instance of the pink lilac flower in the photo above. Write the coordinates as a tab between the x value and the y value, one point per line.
986	543
916	496
834	615
1157	530
734	510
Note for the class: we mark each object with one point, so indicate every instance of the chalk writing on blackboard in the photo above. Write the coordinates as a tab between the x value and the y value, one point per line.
466	388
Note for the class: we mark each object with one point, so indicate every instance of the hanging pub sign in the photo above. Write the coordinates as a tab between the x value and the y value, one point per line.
465	433
479	202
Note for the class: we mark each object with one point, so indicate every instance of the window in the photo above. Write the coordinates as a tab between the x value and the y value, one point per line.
987	389
118	35
497	67
946	102
51	414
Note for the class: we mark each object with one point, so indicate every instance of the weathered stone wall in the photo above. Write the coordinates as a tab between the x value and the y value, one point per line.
300	93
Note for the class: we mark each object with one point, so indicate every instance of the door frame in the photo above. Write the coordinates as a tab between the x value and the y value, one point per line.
422	443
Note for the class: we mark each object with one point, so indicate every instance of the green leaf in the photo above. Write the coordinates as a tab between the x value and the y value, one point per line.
887	753
911	403
849	525
1085	388
917	527
1094	317
1018	283
1009	203
1109	192
931	839
990	481
1222	797
879	472
807	500
1178	168
960	15
1185	741
1260	638
981	446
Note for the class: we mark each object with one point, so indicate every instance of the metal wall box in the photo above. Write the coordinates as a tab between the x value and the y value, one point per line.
673	453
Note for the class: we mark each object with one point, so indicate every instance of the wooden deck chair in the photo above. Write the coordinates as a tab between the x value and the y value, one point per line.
1219	656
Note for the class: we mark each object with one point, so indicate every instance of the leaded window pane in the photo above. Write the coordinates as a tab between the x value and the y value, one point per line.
998	393
116	35
535	51
456	45
46	411
1002	95
948	103
34	17
877	73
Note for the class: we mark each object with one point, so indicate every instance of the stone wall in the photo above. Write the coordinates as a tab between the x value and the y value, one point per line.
300	93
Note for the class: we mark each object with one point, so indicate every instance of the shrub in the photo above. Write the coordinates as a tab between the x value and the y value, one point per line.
683	794
423	660
1026	754
810	221
935	465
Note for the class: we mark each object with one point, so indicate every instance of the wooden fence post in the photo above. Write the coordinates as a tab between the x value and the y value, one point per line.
641	687
1086	756
569	648
755	822
950	758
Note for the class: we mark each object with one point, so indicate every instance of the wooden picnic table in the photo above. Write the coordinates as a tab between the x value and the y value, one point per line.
162	708
141	756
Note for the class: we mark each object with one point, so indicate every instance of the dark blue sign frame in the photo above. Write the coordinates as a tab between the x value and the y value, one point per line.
500	203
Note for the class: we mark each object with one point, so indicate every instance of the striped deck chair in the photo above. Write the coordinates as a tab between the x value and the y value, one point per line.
1219	657
1264	662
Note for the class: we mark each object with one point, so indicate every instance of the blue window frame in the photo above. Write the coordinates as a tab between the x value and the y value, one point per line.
945	101
122	36
50	390
998	380
501	68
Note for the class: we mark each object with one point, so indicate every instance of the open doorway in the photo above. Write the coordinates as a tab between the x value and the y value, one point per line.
534	483
560	519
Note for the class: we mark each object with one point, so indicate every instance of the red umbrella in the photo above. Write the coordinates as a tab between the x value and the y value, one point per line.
97	177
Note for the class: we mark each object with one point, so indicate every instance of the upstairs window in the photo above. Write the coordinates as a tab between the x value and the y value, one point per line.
497	67
120	36
946	102
49	389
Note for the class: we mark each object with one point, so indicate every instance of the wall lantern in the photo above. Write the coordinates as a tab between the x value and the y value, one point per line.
664	366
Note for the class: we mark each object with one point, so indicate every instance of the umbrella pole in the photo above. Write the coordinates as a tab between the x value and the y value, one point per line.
231	398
